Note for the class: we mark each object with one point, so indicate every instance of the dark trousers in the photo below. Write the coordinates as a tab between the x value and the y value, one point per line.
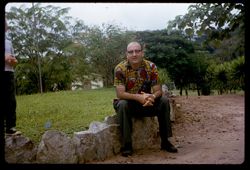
9	102
126	109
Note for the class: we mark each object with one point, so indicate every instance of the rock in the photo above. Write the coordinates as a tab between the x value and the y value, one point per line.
19	149
56	148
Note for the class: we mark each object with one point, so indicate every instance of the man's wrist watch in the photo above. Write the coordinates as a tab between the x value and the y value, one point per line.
154	95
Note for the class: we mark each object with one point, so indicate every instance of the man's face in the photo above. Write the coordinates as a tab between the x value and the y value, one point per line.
134	54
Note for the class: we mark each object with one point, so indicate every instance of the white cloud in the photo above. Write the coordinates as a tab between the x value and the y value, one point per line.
136	16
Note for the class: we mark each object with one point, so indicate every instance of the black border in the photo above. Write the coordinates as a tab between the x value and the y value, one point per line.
244	165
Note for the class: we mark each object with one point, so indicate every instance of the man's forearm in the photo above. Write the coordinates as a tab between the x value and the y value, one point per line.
157	91
129	96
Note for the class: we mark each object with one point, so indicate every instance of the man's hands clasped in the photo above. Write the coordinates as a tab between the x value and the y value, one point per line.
147	99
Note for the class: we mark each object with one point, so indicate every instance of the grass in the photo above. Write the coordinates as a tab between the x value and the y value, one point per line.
66	111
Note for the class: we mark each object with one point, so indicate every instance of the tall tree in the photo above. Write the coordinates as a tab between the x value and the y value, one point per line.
222	23
77	52
106	48
39	32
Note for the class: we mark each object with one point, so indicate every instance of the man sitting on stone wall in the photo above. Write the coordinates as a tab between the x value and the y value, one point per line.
140	95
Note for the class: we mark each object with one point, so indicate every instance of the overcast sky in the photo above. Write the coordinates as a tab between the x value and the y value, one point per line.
133	16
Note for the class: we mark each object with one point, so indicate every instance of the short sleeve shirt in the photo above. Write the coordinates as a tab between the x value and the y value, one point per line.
8	50
136	81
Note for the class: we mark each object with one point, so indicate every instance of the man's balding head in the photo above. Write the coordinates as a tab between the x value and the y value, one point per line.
134	43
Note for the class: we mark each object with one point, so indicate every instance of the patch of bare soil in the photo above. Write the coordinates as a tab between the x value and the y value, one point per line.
207	130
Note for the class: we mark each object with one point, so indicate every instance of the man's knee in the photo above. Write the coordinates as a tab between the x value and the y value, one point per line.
122	104
119	104
164	100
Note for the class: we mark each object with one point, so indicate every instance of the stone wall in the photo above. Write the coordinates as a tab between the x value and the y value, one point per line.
100	141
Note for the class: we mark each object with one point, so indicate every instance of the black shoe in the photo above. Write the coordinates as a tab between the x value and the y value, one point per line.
169	147
12	131
127	150
127	153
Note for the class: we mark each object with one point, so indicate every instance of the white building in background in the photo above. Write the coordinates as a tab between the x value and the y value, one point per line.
96	84
93	81
76	85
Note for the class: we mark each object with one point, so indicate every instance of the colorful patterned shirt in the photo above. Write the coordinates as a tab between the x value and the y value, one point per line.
136	81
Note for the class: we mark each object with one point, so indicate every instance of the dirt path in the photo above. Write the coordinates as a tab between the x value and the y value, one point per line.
207	130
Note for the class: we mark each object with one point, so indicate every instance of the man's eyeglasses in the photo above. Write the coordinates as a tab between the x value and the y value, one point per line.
133	51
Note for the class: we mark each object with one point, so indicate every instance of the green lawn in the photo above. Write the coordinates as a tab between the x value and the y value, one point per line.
66	111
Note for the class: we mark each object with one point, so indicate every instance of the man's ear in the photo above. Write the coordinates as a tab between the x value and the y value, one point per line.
142	53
